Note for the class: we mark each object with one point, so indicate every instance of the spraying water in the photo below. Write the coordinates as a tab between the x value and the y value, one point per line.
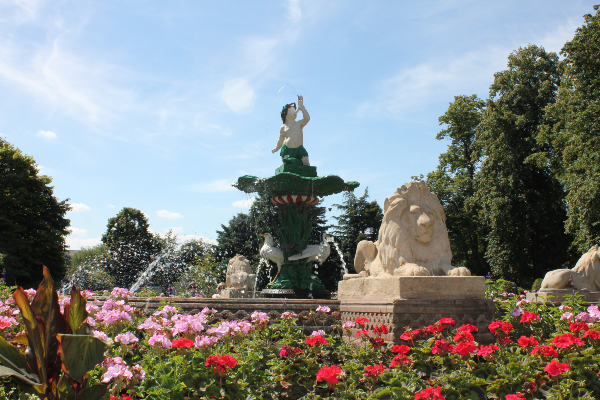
340	254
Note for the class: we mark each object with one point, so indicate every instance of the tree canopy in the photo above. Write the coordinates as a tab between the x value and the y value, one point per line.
33	226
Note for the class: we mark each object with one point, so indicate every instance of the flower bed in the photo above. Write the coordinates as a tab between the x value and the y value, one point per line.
542	351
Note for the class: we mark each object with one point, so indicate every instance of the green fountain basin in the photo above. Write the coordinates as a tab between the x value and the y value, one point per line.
286	183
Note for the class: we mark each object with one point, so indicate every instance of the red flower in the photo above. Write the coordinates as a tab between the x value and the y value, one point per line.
400	360
578	326
430	394
329	374
374	371
316	340
504	340
592	334
410	334
555	368
446	322
432	329
485	351
565	340
528	317
361	321
544	350
123	397
468	328
183	342
515	396
362	332
463	337
400	348
441	347
500	328
464	348
220	364
288	351
381	330
525	341
377	342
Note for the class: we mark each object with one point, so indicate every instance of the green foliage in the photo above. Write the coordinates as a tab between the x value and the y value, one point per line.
521	201
573	127
130	245
454	183
359	220
206	273
33	226
55	343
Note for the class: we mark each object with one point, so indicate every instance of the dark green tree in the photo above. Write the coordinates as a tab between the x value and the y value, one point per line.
454	183
33	226
131	247
574	130
237	237
359	220
88	270
522	202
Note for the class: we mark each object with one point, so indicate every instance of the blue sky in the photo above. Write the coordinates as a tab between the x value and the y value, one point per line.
160	106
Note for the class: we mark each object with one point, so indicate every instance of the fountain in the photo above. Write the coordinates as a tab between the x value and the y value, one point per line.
295	189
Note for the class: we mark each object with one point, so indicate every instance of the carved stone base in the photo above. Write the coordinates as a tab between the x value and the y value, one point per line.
413	287
417	313
559	295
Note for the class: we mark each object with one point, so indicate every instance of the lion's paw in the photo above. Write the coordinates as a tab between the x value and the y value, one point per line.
411	270
459	271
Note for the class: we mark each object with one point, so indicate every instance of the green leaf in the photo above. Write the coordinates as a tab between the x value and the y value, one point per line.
36	357
80	354
13	359
75	312
65	390
92	393
5	371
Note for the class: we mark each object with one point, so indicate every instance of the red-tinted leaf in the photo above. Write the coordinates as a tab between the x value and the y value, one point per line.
75	312
34	327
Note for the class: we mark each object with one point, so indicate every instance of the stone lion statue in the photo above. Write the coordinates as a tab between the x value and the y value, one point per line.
413	239
239	274
584	276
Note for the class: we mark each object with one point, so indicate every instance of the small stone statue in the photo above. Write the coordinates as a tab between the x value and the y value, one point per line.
239	274
291	137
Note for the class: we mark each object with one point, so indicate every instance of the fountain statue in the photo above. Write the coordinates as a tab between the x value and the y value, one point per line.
295	189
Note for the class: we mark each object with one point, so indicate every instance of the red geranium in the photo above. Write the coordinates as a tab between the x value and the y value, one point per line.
288	351
565	340
468	328
500	328
316	340
400	360
485	351
430	394
400	348
515	396
545	350
432	329
446	322
528	317
329	374
220	364
441	347
592	334
555	368
463	337
362	332
361	321
183	342
464	348
381	330
525	341
578	326
123	397
410	334
374	371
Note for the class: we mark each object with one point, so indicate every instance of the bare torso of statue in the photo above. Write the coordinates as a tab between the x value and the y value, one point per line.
291	137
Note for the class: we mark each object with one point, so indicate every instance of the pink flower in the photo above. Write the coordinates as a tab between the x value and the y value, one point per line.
160	339
288	315
348	325
150	325
100	335
566	316
202	341
6	322
320	332
126	338
324	309
259	316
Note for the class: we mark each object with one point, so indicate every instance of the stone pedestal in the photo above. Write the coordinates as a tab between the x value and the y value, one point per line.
417	301
559	295
239	294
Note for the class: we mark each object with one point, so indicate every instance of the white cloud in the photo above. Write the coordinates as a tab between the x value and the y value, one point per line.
46	134
294	11
111	206
221	185
244	203
78	231
79	207
187	238
555	40
238	95
76	243
168	214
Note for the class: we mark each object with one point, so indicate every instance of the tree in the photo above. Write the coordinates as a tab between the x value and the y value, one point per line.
522	202
131	247
88	270
574	130
33	226
454	183
359	220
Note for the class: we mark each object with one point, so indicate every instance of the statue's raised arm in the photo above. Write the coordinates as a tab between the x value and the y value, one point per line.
291	137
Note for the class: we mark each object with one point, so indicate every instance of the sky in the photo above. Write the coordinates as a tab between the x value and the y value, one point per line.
161	106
